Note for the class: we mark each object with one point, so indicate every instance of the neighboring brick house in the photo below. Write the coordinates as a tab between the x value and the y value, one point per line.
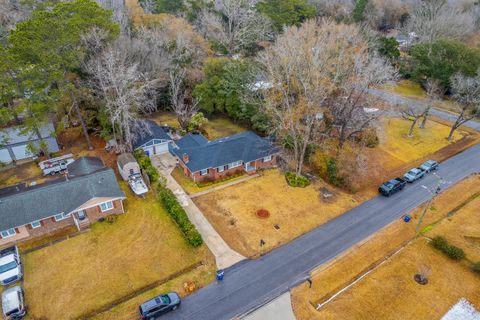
89	192
203	160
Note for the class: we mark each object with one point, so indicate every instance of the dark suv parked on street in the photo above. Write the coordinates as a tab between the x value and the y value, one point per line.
157	306
390	187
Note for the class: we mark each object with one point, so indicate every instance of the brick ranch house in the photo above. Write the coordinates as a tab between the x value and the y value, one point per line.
89	192
203	160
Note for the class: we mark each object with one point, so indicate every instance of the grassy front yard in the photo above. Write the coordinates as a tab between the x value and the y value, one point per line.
93	269
408	89
392	283
232	211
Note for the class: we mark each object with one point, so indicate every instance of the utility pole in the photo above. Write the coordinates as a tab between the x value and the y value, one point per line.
433	192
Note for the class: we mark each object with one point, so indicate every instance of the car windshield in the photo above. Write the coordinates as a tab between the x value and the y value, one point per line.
7	267
389	185
165	299
412	173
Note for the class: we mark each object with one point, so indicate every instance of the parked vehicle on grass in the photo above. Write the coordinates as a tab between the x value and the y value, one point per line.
429	166
157	306
413	175
56	165
390	187
10	266
13	303
137	184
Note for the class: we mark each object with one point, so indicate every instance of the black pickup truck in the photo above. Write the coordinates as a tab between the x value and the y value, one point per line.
390	187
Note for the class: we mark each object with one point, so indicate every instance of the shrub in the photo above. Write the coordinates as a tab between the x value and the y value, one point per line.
333	175
453	252
296	181
179	215
146	164
476	267
369	138
439	243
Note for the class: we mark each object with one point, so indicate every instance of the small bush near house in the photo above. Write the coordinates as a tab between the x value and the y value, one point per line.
453	252
296	181
228	176
333	174
476	267
146	165
369	138
179	215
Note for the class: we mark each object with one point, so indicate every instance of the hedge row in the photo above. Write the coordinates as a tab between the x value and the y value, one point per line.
454	253
179	215
146	165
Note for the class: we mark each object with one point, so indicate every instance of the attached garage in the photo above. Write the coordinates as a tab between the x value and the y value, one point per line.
156	142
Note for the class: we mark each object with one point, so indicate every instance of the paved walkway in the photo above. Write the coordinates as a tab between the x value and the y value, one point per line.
228	184
397	99
278	309
224	255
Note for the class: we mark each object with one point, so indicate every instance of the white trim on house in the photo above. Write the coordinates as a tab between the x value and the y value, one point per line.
61	216
96	205
108	206
204	172
8	233
267	159
221	169
35	224
235	164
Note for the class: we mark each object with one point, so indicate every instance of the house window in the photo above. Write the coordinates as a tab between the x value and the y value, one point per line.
268	158
35	224
61	216
106	206
203	172
8	233
221	169
235	164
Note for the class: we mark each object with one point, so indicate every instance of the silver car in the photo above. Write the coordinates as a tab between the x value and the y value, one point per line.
13	304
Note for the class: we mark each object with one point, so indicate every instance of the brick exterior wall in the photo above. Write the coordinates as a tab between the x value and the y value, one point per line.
49	224
213	174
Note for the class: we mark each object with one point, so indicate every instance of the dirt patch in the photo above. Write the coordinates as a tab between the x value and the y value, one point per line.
262	214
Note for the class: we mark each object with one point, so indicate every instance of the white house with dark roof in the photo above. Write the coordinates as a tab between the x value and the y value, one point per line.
88	193
203	160
14	144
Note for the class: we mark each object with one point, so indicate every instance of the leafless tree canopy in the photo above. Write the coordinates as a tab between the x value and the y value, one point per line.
234	23
317	72
466	91
125	89
435	19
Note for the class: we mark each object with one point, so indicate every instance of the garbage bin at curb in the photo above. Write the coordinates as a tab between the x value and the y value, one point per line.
220	274
407	218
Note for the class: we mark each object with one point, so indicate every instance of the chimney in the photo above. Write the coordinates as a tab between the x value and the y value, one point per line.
186	158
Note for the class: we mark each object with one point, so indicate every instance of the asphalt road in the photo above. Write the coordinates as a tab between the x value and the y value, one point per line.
396	99
250	284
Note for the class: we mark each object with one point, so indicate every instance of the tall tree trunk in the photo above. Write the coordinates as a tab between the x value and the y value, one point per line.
452	131
81	119
425	116
410	131
43	145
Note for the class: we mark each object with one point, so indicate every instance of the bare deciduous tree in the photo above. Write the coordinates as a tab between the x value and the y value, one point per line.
352	109
182	103
236	24
434	92
125	89
435	19
414	113
466	91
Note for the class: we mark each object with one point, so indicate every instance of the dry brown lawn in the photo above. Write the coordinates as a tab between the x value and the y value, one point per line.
232	211
108	262
389	292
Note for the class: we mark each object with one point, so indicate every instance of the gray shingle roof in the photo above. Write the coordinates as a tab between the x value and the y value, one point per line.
84	165
156	132
21	205
245	146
